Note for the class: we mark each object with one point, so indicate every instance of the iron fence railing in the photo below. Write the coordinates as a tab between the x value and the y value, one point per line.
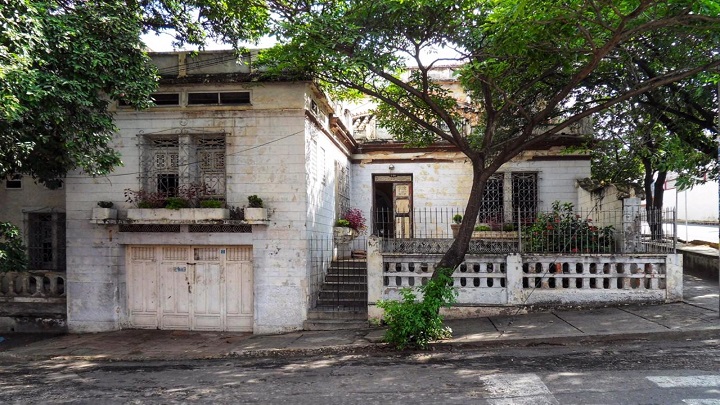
562	230
338	280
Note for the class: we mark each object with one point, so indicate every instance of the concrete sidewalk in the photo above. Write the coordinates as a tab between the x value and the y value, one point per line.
695	318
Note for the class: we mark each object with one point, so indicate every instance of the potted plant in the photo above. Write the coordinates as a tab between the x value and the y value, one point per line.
255	210
349	226
104	211
184	207
455	226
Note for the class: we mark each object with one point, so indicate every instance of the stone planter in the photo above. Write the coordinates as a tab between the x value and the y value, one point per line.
101	214
183	214
256	214
455	229
343	235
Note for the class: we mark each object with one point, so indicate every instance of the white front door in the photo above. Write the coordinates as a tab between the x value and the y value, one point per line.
191	287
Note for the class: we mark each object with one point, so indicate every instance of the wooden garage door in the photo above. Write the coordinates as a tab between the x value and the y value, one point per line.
191	287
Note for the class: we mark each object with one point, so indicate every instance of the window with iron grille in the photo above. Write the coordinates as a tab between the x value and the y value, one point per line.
524	197
505	195
342	184
46	241
169	163
492	209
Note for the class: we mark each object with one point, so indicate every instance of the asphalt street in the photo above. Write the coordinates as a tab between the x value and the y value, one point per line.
636	372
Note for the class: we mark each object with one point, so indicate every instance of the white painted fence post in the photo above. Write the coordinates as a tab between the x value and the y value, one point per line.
631	226
674	278
374	277
514	273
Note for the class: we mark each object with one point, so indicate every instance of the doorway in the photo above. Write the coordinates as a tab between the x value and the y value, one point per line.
392	209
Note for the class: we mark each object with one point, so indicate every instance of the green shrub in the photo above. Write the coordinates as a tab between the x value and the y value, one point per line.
12	250
175	203
342	223
457	218
482	228
211	204
414	324
562	231
508	227
255	201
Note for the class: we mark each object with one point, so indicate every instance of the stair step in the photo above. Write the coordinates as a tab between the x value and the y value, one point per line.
334	313
345	278
346	270
352	284
348	303
334	325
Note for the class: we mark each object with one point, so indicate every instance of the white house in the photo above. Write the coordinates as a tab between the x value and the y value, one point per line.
217	123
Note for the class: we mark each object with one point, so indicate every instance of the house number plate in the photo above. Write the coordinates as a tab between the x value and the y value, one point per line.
179	269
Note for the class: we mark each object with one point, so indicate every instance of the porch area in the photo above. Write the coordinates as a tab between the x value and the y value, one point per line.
560	258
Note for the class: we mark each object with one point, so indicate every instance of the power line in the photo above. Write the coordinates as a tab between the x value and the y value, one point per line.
197	162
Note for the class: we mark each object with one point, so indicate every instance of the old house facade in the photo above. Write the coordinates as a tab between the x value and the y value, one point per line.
218	125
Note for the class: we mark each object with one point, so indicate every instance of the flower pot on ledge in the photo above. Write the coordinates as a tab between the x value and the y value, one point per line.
256	214
183	214
343	235
101	214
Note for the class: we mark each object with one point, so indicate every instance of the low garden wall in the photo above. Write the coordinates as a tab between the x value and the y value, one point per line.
33	301
519	280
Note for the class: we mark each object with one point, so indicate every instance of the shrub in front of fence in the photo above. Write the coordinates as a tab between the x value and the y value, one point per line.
563	231
414	324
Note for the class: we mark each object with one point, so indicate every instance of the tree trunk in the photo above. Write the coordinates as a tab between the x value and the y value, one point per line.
654	199
456	254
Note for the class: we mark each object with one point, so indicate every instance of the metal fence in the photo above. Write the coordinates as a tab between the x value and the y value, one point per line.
562	230
338	280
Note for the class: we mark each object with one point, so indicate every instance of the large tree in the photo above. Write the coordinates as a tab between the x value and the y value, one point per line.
63	61
530	68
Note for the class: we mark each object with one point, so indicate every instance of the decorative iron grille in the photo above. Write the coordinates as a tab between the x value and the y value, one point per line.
169	163
149	228
491	207
342	176
524	197
46	241
243	228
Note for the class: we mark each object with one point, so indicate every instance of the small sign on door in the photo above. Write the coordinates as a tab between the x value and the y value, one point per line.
179	269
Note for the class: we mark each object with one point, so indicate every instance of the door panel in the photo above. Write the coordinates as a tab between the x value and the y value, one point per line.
175	279
191	288
207	296
403	209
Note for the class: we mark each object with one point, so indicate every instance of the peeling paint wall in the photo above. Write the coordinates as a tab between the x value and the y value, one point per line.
264	144
443	179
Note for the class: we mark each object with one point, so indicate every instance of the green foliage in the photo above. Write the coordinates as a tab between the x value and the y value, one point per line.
175	203
62	63
344	223
211	204
482	228
528	70
255	201
12	250
457	218
562	231
414	324
66	64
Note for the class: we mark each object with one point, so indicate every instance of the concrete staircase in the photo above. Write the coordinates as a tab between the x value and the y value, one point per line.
342	300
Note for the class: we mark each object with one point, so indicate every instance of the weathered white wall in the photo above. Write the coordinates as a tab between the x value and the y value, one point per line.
447	182
264	157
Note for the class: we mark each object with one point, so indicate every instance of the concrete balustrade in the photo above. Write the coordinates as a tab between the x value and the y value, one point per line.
516	280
